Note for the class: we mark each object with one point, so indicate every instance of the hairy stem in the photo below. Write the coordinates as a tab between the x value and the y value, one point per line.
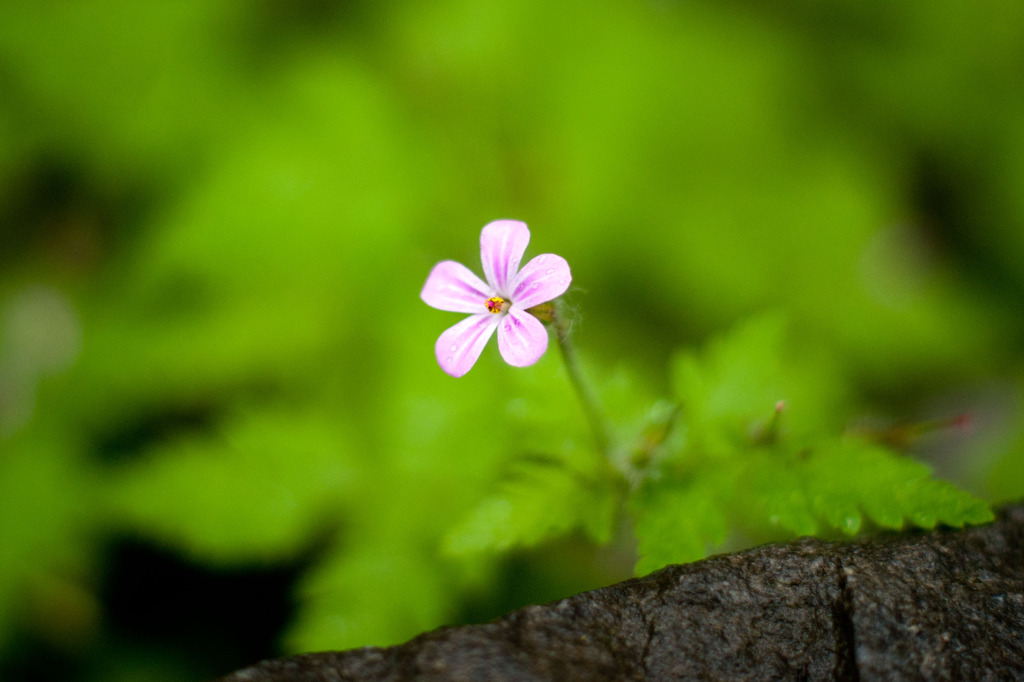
584	391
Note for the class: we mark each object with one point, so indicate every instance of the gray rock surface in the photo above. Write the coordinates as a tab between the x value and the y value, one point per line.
942	605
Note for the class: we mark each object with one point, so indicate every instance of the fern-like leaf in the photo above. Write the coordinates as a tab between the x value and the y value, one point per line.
763	453
678	522
542	498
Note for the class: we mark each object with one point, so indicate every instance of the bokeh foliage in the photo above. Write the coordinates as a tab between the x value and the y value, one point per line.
215	217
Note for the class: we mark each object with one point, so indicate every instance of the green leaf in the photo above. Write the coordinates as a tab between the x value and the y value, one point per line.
677	522
729	392
838	482
378	590
541	499
744	462
260	488
776	493
832	485
852	476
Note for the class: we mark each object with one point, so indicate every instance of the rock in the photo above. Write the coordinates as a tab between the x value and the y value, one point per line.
941	605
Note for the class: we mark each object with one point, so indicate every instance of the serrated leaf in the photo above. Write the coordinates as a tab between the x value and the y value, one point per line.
834	484
789	473
776	493
731	389
679	522
543	498
854	475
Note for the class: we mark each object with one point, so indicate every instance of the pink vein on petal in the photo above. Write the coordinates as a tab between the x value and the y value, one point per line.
453	287
502	244
544	278
522	338
459	346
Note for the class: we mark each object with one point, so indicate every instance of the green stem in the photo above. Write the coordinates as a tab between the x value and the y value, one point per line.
584	391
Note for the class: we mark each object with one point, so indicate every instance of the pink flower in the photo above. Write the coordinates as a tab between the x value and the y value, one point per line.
499	303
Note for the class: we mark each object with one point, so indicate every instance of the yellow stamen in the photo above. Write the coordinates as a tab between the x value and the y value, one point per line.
495	304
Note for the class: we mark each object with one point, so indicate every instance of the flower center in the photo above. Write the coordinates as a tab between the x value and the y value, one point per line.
494	304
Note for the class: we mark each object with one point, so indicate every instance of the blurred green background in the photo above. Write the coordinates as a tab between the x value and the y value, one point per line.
223	432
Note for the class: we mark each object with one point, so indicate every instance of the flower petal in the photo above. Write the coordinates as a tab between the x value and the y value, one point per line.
459	347
502	244
452	286
542	279
522	339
